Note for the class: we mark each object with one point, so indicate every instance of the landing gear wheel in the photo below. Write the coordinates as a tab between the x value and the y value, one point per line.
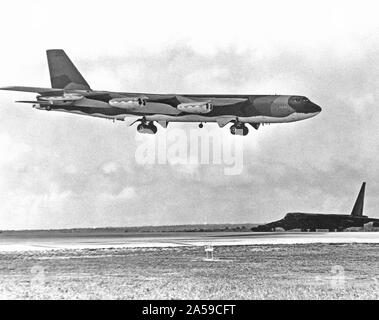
201	125
140	127
153	128
147	127
239	129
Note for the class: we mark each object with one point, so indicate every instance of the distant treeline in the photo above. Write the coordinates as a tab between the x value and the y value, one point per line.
151	229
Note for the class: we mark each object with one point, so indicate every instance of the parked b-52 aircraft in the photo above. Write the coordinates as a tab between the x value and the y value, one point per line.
70	92
313	221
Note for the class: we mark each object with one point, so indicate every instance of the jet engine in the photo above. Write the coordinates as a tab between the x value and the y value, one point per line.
196	107
63	100
128	103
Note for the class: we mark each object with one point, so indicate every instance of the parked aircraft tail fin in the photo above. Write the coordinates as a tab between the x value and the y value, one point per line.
358	206
63	73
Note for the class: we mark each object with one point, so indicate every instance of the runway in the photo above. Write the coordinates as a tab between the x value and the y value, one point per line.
37	242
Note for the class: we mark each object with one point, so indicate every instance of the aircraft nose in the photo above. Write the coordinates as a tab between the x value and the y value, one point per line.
308	107
312	107
303	105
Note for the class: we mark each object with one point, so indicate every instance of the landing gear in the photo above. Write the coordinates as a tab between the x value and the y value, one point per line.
147	127
238	128
201	125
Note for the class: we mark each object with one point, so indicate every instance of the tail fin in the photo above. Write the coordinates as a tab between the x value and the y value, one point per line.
63	73
358	206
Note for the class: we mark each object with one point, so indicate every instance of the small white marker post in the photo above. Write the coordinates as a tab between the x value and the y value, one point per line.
209	253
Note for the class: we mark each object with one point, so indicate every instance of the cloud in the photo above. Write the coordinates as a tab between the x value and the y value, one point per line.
125	194
11	151
110	167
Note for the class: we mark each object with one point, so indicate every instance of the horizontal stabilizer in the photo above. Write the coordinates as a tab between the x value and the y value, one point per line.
33	89
34	102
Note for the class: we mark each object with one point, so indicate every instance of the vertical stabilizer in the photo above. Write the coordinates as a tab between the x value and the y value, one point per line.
63	73
358	206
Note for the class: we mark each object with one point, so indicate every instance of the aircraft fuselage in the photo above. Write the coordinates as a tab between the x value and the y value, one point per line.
226	108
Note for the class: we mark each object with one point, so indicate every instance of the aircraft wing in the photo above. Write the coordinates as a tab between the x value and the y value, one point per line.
216	101
175	100
220	102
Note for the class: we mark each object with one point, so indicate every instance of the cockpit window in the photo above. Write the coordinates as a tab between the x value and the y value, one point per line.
300	99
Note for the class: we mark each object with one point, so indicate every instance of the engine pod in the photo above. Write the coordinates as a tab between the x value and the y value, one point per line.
196	107
128	103
63	100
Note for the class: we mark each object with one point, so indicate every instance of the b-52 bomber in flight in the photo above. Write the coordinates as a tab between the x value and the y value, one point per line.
70	92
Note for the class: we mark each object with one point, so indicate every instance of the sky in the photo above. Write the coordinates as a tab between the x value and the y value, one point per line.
60	171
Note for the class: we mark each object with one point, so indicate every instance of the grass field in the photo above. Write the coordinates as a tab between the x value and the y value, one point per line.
309	271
